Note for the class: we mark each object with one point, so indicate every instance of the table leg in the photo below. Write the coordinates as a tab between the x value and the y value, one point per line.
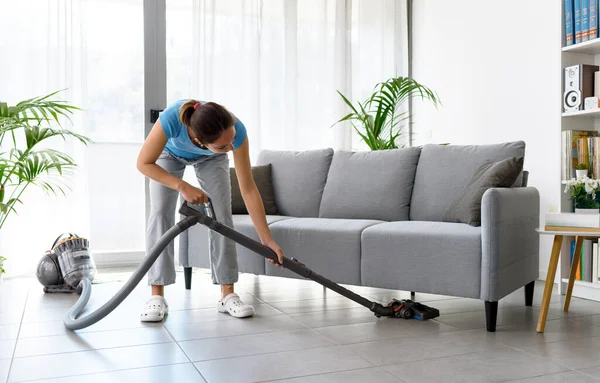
573	273
549	282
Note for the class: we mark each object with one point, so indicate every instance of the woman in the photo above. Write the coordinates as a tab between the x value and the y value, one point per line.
199	134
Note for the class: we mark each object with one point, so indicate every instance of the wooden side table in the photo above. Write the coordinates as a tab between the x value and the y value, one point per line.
580	234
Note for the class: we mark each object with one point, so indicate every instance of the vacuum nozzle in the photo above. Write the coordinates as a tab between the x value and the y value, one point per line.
405	309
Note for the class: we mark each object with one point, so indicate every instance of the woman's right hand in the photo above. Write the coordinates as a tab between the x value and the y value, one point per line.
192	194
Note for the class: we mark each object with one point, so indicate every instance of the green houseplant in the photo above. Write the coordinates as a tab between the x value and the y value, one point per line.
24	129
377	119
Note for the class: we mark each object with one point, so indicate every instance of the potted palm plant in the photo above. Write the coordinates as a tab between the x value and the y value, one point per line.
377	120
24	128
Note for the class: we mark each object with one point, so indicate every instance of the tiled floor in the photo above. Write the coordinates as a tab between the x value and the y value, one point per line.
301	333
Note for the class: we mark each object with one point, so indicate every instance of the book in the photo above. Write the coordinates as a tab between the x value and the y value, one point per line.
573	221
577	18
569	37
572	148
593	19
585	20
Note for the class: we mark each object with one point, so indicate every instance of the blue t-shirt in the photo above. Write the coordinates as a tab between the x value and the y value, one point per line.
179	142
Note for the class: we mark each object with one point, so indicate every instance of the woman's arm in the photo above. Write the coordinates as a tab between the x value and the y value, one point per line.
146	164
252	198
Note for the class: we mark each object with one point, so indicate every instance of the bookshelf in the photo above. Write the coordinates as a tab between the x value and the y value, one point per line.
587	52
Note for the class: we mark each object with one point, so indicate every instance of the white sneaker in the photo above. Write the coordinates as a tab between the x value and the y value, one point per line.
233	305
155	310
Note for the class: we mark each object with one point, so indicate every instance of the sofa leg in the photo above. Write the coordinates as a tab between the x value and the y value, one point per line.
412	295
491	312
529	293
187	273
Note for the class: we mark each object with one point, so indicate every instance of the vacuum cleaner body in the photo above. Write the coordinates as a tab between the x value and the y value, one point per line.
63	267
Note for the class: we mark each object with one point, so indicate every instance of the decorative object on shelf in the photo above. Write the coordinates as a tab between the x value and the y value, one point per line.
376	119
584	194
591	103
581	171
579	85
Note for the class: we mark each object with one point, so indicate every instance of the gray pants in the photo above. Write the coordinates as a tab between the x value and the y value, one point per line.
212	173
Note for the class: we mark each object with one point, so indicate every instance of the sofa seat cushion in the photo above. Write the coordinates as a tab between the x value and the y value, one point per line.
249	261
330	247
443	172
370	185
428	257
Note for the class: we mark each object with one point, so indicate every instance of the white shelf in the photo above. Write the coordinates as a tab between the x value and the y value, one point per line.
591	47
583	283
587	114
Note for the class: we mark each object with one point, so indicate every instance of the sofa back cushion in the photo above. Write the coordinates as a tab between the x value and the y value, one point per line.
298	179
370	185
443	171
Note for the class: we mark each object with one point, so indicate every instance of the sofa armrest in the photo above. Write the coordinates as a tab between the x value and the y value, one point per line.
509	242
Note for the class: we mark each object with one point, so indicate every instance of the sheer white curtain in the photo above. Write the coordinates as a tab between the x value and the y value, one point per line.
94	50
278	64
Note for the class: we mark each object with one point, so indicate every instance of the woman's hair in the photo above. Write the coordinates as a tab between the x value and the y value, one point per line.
207	120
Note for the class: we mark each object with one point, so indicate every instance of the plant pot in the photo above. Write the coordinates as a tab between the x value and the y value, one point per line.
581	173
587	211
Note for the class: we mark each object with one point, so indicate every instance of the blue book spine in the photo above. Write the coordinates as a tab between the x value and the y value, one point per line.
577	10
593	19
585	20
570	39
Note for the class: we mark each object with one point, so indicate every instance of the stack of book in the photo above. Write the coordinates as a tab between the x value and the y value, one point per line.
581	21
580	147
588	269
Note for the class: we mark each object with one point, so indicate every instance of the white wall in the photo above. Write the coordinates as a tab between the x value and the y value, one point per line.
496	67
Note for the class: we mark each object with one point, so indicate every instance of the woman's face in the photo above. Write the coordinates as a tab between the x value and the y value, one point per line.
222	144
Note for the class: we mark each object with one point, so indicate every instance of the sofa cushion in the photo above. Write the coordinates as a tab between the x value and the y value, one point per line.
443	171
264	183
429	257
330	247
298	179
370	185
249	261
466	208
194	245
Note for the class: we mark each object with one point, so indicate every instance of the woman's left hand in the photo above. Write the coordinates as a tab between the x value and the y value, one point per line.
273	246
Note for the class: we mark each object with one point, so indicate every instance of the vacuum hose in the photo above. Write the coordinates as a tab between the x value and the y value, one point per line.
74	323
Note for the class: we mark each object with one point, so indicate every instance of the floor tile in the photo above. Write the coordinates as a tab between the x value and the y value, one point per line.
4	367
525	334
335	317
594	372
400	350
509	315
311	305
7	347
9	331
90	341
353	376
235	346
184	373
280	365
384	328
296	295
574	354
578	307
489	366
96	361
562	377
210	314
240	326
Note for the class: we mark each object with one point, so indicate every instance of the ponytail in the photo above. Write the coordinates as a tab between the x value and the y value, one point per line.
186	111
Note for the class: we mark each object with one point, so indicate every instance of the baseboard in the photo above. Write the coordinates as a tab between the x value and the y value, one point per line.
118	258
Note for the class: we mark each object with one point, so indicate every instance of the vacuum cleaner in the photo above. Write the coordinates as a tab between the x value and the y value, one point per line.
69	267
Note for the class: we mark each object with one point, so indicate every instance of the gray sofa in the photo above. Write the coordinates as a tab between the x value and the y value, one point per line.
377	219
